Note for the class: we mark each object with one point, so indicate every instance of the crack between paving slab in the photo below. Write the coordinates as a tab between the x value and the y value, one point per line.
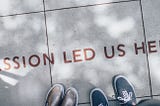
147	55
81	6
45	19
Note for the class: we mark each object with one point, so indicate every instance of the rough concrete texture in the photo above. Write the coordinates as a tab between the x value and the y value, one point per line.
91	41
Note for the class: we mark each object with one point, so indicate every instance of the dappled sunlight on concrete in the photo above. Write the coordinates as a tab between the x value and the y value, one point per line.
117	29
154	64
92	76
8	80
107	29
23	37
63	71
104	26
20	72
70	3
8	7
114	27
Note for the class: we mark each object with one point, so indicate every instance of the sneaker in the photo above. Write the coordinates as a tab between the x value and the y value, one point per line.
98	98
124	91
55	95
71	97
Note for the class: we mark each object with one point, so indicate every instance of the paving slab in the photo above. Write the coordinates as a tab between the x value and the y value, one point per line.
156	97
152	26
57	4
111	103
8	7
93	44
24	79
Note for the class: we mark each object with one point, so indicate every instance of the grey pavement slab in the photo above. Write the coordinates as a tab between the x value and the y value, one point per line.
111	103
84	105
152	25
103	29
56	4
156	97
8	7
24	79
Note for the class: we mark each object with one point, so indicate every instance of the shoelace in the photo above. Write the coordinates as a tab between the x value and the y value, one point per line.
126	96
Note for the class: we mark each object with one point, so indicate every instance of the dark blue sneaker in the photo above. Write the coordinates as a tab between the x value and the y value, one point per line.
124	91
98	98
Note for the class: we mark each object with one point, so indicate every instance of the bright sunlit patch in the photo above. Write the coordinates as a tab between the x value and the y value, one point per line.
12	23
117	28
154	64
8	80
20	72
123	65
92	76
32	3
5	6
64	71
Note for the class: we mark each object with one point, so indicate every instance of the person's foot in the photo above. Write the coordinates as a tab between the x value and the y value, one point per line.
71	97
98	98
124	91
55	95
